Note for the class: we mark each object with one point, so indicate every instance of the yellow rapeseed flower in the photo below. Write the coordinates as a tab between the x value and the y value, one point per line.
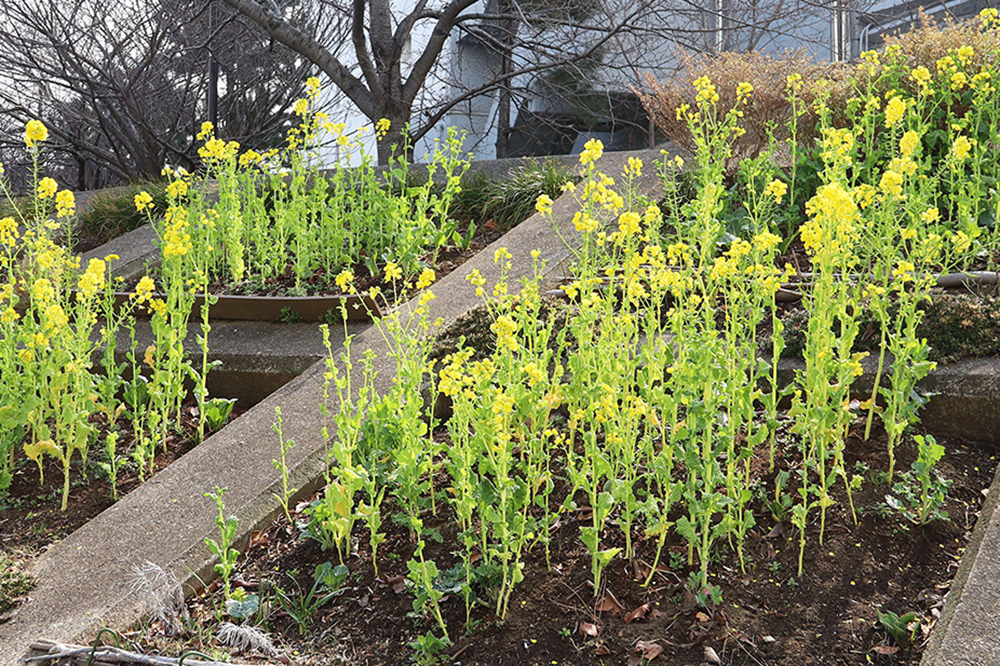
922	76
345	278
65	203
313	86
961	147
592	151
426	279
894	111
92	279
891	183
47	188
144	289
42	290
143	201
8	231
544	204
392	272
35	132
177	189
634	168
908	143
629	224
381	127
707	93
777	189
206	131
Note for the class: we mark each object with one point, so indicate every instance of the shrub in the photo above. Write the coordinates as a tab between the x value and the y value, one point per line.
766	113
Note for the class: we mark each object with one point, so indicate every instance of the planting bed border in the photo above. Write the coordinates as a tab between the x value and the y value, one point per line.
137	249
84	583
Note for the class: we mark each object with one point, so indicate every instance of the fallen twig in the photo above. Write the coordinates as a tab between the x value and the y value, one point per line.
105	655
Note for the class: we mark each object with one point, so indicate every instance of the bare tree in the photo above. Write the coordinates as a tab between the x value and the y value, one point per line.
122	85
533	42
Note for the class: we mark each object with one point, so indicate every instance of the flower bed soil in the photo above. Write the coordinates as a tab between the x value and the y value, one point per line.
768	615
31	520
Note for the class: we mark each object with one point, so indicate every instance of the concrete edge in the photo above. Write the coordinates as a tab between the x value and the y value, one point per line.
965	617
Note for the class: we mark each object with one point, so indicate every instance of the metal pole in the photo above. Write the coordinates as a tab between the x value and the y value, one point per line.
213	75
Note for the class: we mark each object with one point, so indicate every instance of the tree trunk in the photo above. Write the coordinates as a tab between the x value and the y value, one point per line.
507	30
392	144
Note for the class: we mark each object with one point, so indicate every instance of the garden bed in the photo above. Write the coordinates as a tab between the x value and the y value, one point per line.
32	519
766	615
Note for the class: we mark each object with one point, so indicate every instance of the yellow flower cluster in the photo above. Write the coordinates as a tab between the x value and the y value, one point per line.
592	151
426	278
8	231
505	328
961	147
634	168
65	203
144	289
42	290
176	239
544	204
831	227
143	201
930	215
313	87
922	76
599	191
92	279
249	158
894	111
47	188
217	150
777	189
629	224
344	279
908	143
382	127
35	132
393	272
707	93
891	183
837	146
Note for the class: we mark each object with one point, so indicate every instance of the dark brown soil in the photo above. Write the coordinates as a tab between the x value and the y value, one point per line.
769	615
32	520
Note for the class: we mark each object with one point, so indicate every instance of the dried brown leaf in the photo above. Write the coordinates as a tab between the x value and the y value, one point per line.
637	614
608	604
